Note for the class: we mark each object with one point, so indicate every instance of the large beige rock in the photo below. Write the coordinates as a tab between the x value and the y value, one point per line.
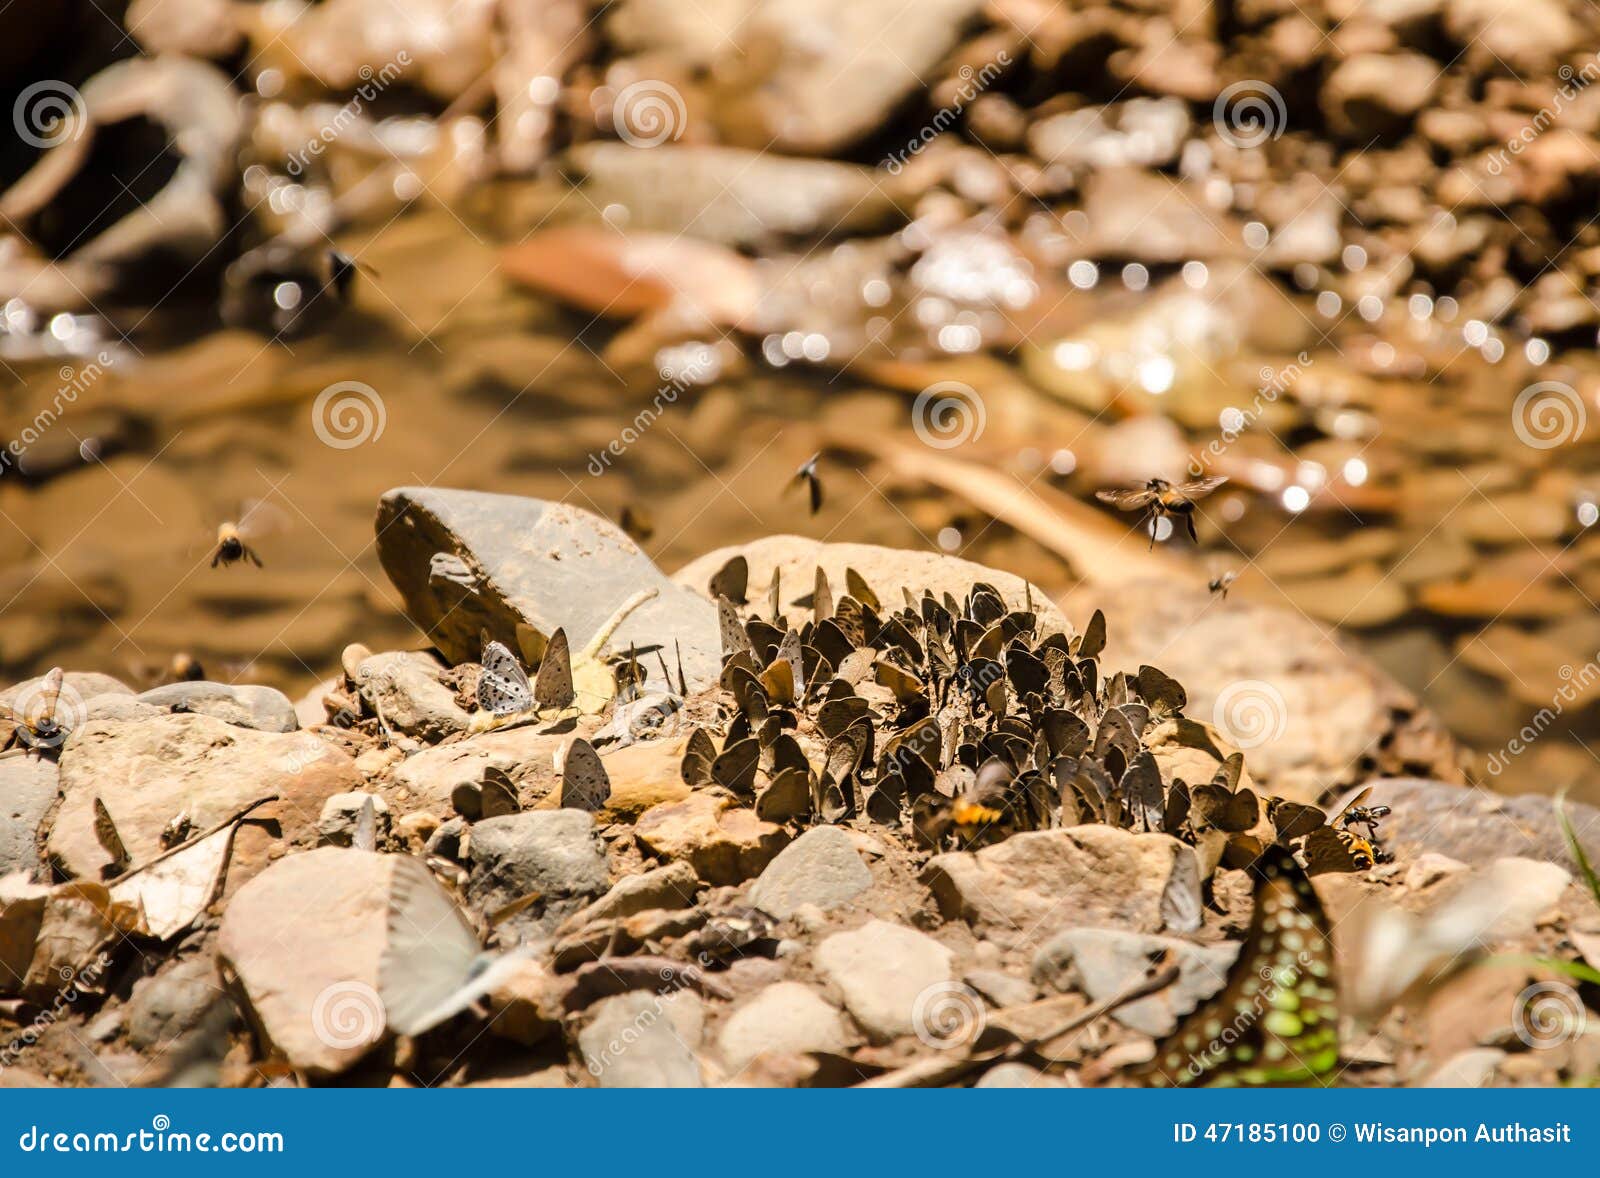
305	939
724	843
892	978
797	558
1034	884
147	772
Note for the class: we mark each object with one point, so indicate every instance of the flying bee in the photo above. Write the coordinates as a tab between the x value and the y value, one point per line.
233	538
342	270
1222	582
807	473
1159	497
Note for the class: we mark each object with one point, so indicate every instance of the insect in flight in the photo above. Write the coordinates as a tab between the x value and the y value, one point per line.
1222	582
342	269
807	473
1159	498
233	538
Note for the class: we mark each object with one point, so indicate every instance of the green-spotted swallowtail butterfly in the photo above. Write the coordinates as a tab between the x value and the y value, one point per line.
1276	1021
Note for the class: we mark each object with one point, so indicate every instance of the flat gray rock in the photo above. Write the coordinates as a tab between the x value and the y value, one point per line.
163	1007
1476	826
891	977
246	706
670	887
552	852
1103	962
28	787
1018	1075
403	687
821	867
644	1040
534	561
786	1017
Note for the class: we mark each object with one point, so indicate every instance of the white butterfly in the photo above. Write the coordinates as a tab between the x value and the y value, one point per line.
503	687
433	967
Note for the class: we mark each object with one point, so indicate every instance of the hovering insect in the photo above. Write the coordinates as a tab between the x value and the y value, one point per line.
1222	582
231	548
1159	497
342	270
233	538
807	473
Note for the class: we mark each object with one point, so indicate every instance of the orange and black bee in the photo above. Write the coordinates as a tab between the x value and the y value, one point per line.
1159	497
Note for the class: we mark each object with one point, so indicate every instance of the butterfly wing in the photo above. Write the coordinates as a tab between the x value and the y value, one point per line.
552	687
1276	1021
585	785
431	952
503	687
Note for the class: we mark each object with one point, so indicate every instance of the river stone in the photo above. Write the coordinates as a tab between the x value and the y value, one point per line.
670	887
1104	962
785	1017
1309	715
1377	94
305	939
1022	890
431	777
731	196
163	1007
28	786
535	561
245	705
884	971
1018	1075
1477	827
552	852
147	772
403	686
725	844
644	1040
820	867
797	558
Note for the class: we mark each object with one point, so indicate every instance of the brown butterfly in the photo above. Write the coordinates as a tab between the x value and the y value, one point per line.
1159	497
807	473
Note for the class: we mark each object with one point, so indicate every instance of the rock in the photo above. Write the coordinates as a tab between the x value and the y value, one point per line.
832	71
164	1007
797	558
1141	133
148	772
305	939
725	844
1467	1069
886	973
1018	1075
86	685
669	887
552	852
1309	715
643	1040
1104	962
784	1017
1477	827
1025	888
820	867
431	777
245	706
403	687
1001	989
1378	94
730	196
545	564
342	812
1525	36
1149	217
28	787
526	1005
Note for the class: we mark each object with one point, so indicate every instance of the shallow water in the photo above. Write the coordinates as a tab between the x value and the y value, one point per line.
1386	480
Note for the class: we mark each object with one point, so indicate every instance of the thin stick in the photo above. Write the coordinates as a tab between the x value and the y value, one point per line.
238	816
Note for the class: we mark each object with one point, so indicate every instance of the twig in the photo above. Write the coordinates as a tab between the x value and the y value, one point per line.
237	816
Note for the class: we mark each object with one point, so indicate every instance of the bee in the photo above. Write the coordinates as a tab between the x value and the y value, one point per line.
231	548
1220	583
637	523
233	539
807	473
1159	497
1358	813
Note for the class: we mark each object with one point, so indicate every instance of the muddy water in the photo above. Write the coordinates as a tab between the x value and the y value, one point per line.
1384	481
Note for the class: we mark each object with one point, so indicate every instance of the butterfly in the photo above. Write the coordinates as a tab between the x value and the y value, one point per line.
807	473
1276	1021
585	785
432	966
503	687
1159	497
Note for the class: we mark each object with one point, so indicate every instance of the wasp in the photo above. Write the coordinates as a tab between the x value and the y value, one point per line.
1159	497
231	548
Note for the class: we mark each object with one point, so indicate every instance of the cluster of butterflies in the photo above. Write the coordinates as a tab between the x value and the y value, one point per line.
959	719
